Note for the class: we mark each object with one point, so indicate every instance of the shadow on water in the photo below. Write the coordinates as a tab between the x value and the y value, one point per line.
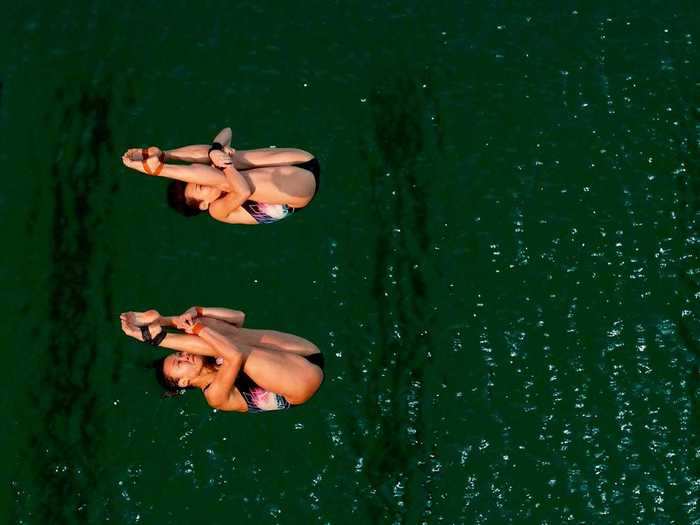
60	481
395	445
688	191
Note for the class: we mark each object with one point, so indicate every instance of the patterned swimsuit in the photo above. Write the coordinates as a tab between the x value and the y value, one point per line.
260	400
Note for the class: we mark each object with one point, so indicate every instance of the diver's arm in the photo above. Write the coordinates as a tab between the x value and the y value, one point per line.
238	192
234	317
199	153
168	321
238	185
196	173
172	341
221	344
220	393
187	343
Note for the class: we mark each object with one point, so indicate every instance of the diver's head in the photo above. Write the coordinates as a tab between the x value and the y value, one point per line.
169	386
191	199
178	370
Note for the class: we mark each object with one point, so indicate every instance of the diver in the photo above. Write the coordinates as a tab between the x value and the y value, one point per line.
237	369
258	186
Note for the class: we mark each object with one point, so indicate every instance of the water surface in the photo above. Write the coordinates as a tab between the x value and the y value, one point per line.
501	266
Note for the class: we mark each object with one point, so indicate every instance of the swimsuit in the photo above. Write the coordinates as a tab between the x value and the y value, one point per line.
269	213
260	400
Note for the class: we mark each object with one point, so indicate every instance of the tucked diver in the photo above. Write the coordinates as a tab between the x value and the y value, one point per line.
259	186
237	369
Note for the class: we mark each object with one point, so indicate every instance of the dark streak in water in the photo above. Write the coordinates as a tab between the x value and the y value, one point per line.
397	454
65	442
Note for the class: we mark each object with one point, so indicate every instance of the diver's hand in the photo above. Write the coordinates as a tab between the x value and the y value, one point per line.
187	318
185	321
189	326
220	159
192	312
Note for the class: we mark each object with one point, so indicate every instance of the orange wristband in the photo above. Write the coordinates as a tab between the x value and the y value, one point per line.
199	310
144	159
198	327
161	159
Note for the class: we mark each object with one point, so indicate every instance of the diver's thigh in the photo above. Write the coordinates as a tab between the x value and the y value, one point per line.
276	340
283	373
282	185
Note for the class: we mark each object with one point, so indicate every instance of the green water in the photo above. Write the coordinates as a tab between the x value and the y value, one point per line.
501	265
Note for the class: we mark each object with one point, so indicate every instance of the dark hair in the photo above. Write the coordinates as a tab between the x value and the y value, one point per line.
178	202
170	386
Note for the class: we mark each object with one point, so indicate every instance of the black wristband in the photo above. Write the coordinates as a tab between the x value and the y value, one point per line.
157	340
153	341
146	334
216	146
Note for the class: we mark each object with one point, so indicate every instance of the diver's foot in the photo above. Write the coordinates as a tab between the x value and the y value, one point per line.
224	137
137	332
146	160
140	318
138	153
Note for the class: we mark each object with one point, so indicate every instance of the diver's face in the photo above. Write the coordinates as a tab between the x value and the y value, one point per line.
182	367
204	195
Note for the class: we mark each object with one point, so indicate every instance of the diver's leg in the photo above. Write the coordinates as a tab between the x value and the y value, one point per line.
139	319
224	137
246	159
283	373
285	184
242	159
199	153
253	158
196	173
274	340
196	153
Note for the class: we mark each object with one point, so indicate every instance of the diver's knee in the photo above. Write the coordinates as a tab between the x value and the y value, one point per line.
309	383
